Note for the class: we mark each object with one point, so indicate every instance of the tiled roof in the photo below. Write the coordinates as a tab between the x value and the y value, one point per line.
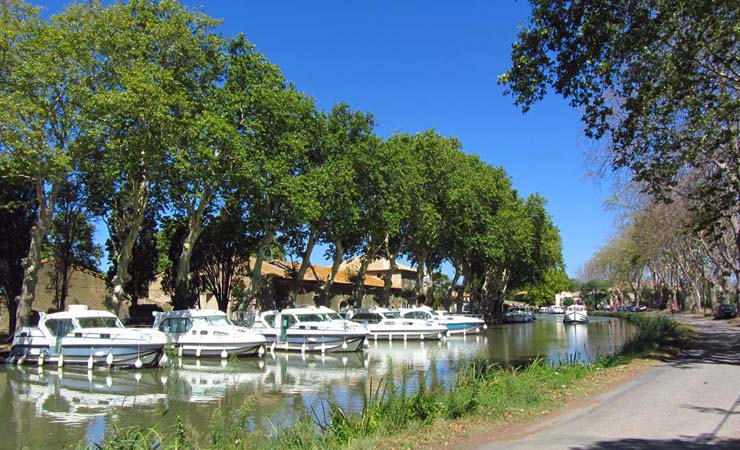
318	273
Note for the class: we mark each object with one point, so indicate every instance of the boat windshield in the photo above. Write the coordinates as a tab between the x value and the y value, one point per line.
334	316
214	321
392	315
99	322
314	318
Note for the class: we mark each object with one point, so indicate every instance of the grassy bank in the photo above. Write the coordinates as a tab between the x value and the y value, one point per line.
482	395
656	334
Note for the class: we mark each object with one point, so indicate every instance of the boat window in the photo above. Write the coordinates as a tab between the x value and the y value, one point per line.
392	315
288	320
219	321
270	320
334	316
99	322
417	315
175	325
59	327
313	318
366	317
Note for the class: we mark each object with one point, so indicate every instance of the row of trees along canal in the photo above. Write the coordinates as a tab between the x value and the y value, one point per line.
658	85
196	153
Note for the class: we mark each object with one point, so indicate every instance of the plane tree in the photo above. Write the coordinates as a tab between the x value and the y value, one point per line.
386	176
42	91
271	151
434	154
138	113
656	81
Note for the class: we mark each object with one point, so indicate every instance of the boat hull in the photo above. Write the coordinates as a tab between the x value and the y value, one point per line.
123	355
326	343
463	328
400	335
220	350
575	318
518	319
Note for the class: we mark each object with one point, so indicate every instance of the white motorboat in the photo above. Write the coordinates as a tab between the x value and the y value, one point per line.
454	323
575	314
310	329
207	333
517	314
80	336
382	323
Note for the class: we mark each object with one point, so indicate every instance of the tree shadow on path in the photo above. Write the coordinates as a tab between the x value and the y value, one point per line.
664	444
718	343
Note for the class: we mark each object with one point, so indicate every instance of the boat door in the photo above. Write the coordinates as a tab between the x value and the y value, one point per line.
286	320
58	328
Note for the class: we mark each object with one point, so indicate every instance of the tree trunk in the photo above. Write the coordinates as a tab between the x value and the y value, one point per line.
388	279
326	287
32	263
419	277
184	296
429	294
66	277
138	204
255	282
451	289
298	276
359	293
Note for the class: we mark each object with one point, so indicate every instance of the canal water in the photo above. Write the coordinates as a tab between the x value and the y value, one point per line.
52	408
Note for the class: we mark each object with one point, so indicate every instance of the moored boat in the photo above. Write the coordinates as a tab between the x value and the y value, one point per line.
575	314
80	336
382	323
517	314
207	333
309	329
455	324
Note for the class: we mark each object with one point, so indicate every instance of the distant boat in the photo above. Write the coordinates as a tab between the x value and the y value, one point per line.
208	333
518	314
455	324
309	329
80	336
382	323
575	314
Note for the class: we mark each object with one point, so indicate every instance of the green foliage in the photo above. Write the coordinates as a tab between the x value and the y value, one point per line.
157	115
655	333
658	82
567	301
553	282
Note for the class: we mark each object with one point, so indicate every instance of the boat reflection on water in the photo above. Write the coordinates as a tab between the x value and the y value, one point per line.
420	355
73	396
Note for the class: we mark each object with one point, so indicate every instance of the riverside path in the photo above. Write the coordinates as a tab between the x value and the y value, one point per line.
691	402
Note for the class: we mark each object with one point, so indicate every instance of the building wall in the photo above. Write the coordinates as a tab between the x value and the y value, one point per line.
85	288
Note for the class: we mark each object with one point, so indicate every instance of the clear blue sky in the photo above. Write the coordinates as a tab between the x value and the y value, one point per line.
432	64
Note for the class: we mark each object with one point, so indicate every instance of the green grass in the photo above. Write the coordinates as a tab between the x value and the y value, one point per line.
655	334
480	389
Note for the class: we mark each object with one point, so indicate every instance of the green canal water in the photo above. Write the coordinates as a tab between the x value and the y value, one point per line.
52	408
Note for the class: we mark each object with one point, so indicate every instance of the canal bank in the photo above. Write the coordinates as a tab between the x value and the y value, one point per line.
690	401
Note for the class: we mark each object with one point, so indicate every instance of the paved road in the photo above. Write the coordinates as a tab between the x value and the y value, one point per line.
690	403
